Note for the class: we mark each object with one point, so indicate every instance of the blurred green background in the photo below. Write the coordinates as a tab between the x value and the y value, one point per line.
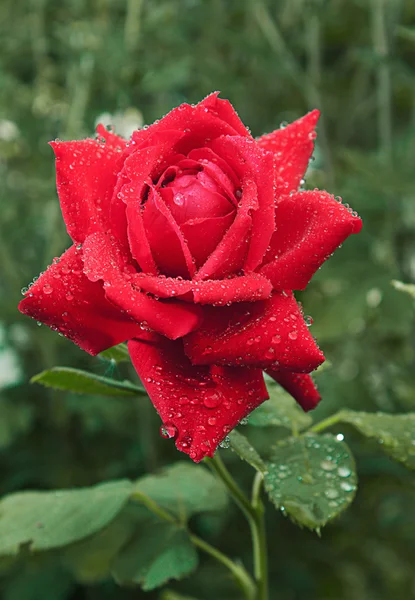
66	65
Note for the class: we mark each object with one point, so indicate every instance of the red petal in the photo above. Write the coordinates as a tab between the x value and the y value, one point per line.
199	406
268	333
86	174
251	163
168	246
103	260
299	385
113	140
247	288
203	235
310	226
229	255
218	169
292	148
198	123
68	302
225	110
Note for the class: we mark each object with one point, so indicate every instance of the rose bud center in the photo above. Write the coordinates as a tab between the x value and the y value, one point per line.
194	194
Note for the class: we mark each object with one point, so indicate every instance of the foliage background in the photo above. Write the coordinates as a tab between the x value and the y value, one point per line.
62	65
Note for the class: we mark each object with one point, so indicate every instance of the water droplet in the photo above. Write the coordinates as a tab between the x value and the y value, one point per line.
225	443
344	471
340	437
213	400
293	335
168	431
346	486
276	339
327	465
178	199
69	296
331	493
212	421
308	320
47	289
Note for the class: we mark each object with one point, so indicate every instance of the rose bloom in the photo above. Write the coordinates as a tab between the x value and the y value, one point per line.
187	242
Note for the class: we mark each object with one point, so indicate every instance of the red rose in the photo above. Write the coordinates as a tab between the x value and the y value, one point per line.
188	241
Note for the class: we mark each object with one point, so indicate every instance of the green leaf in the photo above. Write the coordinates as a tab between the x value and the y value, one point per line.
280	410
311	478
91	559
184	489
395	433
48	520
116	354
162	552
408	288
242	446
83	382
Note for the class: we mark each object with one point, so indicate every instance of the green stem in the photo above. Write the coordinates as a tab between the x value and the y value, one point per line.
383	76
325	423
254	512
259	539
242	578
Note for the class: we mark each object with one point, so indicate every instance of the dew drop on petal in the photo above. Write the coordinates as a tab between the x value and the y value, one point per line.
168	431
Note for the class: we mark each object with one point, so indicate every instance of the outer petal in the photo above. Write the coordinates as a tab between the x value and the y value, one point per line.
310	226
103	261
65	299
268	333
299	385
292	148
225	110
198	122
198	405
110	138
247	288
86	174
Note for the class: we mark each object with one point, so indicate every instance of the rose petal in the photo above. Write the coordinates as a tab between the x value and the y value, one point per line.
269	333
104	261
86	174
68	302
198	123
229	255
199	406
248	288
251	163
292	148
110	138
203	235
299	385
310	226
168	246
219	170
225	110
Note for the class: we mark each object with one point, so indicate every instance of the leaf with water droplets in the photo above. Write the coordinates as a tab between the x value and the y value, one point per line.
83	382
116	354
280	410
311	478
395	433
243	448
